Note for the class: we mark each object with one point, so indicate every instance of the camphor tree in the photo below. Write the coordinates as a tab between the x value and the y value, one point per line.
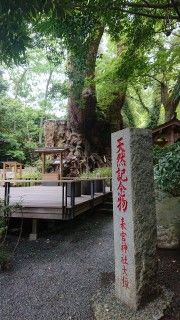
165	72
80	25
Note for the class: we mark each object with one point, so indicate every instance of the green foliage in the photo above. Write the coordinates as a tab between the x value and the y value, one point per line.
103	172
54	25
30	173
167	169
3	84
159	152
68	19
58	90
20	128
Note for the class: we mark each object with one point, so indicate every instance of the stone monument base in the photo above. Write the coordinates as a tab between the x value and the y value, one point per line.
107	307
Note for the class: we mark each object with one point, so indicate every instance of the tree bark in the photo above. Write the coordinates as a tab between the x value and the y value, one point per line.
82	97
170	100
44	106
115	110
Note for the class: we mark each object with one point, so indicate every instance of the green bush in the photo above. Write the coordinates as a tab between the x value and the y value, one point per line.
86	175
160	152
30	173
104	172
167	170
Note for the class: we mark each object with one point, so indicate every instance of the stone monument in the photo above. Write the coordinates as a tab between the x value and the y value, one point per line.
135	235
134	216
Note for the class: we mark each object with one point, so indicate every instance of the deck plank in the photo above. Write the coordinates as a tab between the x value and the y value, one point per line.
45	202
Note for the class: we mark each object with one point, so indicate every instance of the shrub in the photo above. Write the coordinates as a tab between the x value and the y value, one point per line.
167	170
104	172
160	152
30	173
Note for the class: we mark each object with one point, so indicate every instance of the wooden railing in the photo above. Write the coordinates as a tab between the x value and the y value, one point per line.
66	184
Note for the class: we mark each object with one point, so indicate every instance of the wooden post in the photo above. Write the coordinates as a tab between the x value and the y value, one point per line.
7	193
15	172
33	235
110	184
66	194
92	194
72	194
104	188
60	167
20	171
4	171
63	186
92	189
43	163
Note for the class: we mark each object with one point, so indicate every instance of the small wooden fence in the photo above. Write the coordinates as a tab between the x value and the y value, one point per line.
69	204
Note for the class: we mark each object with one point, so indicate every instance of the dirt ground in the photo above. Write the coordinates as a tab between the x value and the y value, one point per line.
169	276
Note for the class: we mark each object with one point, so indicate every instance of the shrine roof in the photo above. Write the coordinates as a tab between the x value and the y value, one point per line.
12	163
171	123
49	150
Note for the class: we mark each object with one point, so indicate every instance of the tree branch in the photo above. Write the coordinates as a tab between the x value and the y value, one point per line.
141	100
176	7
146	4
150	76
154	16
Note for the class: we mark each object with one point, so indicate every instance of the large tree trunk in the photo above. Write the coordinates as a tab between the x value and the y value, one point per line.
76	83
115	115
171	100
82	97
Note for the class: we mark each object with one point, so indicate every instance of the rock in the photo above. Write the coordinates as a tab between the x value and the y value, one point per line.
167	237
161	195
168	221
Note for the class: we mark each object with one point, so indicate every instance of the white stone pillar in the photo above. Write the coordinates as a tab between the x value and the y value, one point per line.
134	216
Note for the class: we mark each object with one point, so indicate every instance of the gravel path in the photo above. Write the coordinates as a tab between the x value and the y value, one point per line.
56	276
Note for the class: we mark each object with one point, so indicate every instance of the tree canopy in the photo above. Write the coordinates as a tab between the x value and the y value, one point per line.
133	79
18	18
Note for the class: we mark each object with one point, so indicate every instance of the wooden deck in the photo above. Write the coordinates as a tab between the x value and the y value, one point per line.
46	202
